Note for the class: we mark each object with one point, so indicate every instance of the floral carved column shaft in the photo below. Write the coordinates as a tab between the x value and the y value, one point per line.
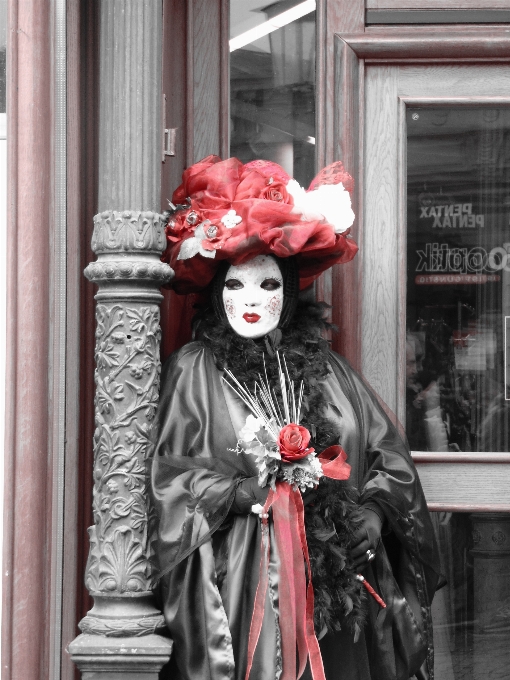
121	633
128	272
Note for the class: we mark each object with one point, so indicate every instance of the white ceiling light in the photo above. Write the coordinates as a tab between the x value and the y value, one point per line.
273	24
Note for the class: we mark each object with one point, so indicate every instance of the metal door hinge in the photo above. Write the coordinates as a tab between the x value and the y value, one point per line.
169	134
169	142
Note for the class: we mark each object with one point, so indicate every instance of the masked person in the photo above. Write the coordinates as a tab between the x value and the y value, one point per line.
254	568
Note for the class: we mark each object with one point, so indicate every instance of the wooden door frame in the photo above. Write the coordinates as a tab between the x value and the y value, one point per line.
52	54
444	45
352	51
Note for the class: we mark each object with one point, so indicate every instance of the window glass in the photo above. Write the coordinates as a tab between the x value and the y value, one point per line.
272	84
458	286
471	612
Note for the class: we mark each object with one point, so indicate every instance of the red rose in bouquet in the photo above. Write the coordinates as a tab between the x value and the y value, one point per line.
293	443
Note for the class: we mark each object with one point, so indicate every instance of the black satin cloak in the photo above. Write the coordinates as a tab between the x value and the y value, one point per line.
209	560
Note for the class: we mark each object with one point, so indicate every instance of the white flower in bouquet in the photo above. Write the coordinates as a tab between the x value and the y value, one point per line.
251	427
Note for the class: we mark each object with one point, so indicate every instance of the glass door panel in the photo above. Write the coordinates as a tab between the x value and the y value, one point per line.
458	279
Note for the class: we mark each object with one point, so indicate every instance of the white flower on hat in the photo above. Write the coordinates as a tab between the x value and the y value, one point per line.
231	219
329	202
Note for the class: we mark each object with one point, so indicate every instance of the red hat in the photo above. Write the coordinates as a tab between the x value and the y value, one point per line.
225	210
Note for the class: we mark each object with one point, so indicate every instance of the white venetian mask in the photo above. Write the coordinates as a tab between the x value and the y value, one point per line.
253	297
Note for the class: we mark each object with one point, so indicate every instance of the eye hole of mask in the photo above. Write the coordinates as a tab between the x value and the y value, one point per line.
270	284
233	284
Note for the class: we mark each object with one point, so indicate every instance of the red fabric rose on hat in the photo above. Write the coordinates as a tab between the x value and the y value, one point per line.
276	191
215	235
293	443
183	223
265	180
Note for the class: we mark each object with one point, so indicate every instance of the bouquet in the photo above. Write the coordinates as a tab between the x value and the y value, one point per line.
274	436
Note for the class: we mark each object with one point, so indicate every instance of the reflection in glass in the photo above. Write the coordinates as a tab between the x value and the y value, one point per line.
272	84
471	613
458	287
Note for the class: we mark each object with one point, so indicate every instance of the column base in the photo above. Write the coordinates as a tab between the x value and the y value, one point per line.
102	658
123	615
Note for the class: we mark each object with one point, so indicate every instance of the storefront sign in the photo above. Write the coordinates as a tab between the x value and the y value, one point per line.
439	257
455	279
453	216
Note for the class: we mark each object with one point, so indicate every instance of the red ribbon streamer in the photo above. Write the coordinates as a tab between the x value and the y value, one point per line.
292	582
333	463
260	595
295	595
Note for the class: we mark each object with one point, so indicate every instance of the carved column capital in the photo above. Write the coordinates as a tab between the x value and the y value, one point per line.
129	231
128	244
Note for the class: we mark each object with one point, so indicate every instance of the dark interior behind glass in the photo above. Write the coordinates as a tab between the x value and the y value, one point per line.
458	285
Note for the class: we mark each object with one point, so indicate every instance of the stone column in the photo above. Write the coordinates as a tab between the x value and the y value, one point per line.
121	633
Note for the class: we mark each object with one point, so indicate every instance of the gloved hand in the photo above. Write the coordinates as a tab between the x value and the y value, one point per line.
248	493
367	537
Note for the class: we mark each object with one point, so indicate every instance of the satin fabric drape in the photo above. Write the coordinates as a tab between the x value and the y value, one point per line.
209	559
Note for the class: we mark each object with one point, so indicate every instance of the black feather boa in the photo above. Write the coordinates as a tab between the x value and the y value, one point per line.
333	516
